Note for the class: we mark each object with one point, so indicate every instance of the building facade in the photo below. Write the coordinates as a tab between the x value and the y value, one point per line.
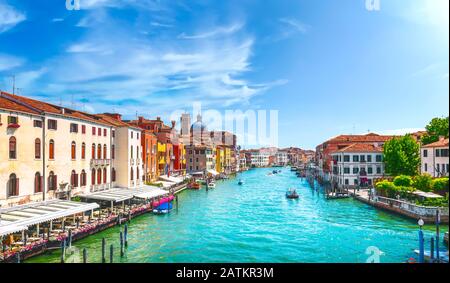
435	158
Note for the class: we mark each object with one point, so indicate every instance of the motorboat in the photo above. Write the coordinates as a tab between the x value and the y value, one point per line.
211	185
240	183
194	186
292	194
163	208
275	171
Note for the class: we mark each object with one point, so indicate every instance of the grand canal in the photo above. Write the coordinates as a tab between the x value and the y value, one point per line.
256	223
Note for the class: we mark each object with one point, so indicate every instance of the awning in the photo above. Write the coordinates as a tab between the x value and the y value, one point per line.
115	195
20	217
213	172
148	192
171	179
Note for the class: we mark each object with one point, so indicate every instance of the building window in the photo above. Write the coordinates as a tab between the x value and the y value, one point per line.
52	181
104	176
93	151
355	170
425	153
378	170
38	183
426	167
438	153
73	128
51	150
137	173
137	135
444	152
131	152
113	133
93	177
37	148
83	178
99	151
113	175
52	124
13	120
131	174
362	158
93	131
132	134
13	186
99	131
104	132
355	158
346	170
370	170
105	152
83	129
37	124
83	151
73	150
346	158
369	158
379	158
74	179
99	176
113	151
12	148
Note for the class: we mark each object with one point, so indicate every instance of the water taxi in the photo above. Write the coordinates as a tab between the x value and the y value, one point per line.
292	194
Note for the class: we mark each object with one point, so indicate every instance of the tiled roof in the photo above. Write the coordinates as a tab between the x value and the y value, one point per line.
33	105
371	137
11	105
361	147
117	123
440	143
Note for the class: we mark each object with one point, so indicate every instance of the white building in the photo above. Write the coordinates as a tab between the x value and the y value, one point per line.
357	165
435	159
281	158
259	159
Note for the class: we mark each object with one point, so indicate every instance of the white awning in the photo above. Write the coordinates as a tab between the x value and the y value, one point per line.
172	179
213	172
149	192
115	195
20	217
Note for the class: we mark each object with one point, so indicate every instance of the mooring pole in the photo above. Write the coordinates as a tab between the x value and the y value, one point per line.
437	236
121	244
111	250
432	249
421	247
70	238
63	250
103	250
126	235
84	255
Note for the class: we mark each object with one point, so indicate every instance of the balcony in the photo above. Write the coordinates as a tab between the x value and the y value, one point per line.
100	162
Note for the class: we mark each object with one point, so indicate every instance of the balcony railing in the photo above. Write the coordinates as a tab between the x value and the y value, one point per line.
100	162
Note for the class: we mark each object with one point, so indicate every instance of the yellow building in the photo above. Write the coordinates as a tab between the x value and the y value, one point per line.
220	159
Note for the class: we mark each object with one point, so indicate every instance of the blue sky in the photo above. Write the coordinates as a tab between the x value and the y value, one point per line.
329	67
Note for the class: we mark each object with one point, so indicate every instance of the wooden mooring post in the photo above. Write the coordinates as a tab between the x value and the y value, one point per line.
111	253
84	255
63	250
103	250
125	234
121	244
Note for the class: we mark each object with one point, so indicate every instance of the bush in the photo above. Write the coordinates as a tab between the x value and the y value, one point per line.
439	202
440	185
423	182
386	188
403	180
406	192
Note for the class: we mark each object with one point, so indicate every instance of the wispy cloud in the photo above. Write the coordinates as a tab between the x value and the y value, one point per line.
218	31
296	25
9	17
8	62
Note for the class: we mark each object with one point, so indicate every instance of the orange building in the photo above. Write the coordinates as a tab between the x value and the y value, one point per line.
149	156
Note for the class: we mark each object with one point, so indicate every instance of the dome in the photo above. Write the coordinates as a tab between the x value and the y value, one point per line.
198	126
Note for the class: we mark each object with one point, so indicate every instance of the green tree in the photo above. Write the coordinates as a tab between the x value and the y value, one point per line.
437	127
402	156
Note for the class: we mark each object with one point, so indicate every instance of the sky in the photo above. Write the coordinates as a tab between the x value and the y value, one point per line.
328	67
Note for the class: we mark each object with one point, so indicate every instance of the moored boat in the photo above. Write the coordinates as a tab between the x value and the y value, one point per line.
240	183
194	186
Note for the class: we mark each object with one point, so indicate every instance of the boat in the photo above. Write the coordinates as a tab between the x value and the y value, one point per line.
293	168
279	171
275	172
292	194
162	201
163	208
240	183
194	186
211	185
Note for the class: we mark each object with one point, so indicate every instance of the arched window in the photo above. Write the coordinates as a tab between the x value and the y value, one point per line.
83	178
12	148
51	150
113	175
104	176
52	181
83	151
73	150
113	152
105	151
93	151
37	148
74	179
13	185
93	176
38	183
131	174
99	151
99	176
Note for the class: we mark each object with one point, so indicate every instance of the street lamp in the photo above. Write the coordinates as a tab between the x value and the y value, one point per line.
421	223
421	241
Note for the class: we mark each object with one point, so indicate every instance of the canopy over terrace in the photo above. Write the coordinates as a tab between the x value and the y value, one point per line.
120	194
213	172
172	179
19	218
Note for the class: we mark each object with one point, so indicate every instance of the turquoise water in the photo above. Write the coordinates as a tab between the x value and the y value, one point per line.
256	223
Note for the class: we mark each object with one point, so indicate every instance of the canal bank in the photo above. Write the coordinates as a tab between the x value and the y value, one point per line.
256	223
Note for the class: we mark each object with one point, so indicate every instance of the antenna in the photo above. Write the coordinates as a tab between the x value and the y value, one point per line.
13	84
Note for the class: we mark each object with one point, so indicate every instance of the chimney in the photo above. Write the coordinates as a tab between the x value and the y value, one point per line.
173	124
141	120
63	111
116	116
441	138
158	118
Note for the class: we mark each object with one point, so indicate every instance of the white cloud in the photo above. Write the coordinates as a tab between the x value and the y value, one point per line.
214	32
9	17
8	62
400	132
296	24
57	20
